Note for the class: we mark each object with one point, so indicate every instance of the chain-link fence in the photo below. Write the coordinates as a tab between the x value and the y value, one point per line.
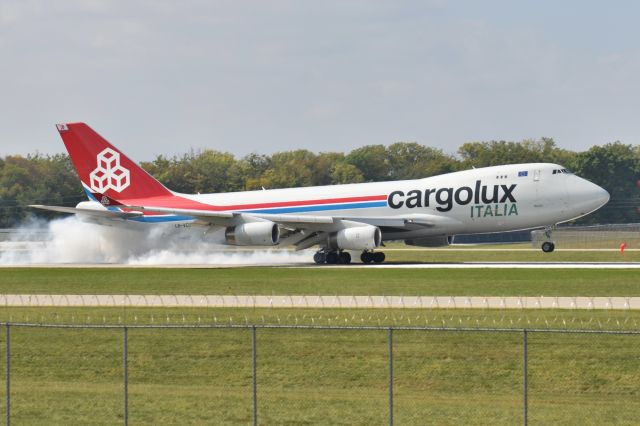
269	374
592	237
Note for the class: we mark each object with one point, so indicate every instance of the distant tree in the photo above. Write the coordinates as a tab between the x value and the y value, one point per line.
372	161
493	153
36	179
252	167
345	173
171	172
615	167
198	171
215	171
289	169
410	160
324	166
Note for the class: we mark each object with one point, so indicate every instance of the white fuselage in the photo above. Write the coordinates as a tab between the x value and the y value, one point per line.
491	199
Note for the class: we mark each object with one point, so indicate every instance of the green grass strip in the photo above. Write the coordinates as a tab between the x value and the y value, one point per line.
329	281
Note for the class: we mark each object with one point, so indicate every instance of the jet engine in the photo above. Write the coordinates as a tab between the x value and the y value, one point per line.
365	237
253	234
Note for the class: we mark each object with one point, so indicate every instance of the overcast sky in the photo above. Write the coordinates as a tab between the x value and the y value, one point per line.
159	77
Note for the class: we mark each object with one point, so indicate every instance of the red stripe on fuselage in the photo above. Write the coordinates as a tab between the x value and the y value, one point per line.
178	202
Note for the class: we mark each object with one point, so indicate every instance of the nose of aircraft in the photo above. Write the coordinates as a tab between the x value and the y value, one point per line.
600	195
586	196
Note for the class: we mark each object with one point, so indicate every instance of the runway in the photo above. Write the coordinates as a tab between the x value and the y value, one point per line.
458	265
318	301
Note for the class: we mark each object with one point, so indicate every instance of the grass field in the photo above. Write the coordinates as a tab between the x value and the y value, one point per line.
509	253
329	281
321	377
200	376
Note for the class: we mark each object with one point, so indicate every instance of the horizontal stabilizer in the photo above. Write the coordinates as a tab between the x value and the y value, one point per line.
110	214
184	212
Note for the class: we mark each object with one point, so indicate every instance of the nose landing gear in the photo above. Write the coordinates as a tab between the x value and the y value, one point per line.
548	246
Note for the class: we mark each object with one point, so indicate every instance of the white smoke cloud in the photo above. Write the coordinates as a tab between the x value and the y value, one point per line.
72	241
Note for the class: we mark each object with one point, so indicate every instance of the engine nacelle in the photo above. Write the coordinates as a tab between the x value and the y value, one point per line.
253	234
434	241
357	238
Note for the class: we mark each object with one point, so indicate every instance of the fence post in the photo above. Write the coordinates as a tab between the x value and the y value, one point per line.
390	376
8	364
125	362
526	376
253	374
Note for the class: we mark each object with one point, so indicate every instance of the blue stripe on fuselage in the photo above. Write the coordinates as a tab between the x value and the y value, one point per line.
90	195
348	206
159	219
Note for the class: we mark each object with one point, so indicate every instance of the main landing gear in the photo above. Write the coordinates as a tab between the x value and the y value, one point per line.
548	246
332	257
344	258
370	256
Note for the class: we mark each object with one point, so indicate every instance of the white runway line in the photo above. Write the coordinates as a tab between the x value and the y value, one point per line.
515	249
319	301
498	265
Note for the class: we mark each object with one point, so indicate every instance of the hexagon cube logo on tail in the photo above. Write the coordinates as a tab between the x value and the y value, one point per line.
109	174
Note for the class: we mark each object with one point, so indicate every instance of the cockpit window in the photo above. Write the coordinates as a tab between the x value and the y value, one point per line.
558	171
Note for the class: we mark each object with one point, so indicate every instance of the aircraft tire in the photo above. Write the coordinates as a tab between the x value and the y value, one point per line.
332	258
319	258
366	257
345	258
548	247
378	257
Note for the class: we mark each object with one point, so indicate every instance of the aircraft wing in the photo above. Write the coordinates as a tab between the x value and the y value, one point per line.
107	214
288	221
309	222
231	218
407	222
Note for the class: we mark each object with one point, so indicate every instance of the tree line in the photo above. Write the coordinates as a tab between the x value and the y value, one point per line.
51	179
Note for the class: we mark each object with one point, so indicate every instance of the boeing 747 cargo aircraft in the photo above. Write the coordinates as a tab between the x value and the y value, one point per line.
339	219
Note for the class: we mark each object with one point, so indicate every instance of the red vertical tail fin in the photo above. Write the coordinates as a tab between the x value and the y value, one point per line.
103	169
